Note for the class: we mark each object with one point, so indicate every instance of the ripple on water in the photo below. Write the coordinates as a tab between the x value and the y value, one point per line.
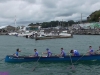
80	43
50	69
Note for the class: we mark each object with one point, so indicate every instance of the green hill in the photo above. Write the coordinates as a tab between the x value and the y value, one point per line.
94	17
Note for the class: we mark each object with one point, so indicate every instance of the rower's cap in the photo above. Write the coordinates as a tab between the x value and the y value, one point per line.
47	49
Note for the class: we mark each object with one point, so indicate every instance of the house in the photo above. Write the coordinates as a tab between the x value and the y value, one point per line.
10	28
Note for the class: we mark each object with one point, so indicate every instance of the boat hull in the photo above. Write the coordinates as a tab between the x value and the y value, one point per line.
10	58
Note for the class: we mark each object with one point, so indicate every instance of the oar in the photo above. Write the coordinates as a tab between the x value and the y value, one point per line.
72	66
36	63
79	58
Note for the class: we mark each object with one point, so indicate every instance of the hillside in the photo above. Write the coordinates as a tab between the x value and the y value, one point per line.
94	17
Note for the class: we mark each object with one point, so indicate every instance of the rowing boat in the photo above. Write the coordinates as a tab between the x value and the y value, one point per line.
11	58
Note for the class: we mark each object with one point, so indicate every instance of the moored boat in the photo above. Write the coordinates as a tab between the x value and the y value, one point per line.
11	58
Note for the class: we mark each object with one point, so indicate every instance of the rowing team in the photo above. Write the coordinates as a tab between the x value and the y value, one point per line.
62	54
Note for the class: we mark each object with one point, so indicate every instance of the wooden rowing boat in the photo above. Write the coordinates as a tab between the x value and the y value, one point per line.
11	58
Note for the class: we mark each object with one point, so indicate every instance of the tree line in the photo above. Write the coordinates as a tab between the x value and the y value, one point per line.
55	23
93	17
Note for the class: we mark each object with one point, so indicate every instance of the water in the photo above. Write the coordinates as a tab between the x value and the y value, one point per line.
9	44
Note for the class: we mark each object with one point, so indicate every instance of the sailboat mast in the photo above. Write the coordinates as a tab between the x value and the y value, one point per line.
81	17
15	24
15	20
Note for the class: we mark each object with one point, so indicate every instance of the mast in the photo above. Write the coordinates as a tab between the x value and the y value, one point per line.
81	19
15	24
15	20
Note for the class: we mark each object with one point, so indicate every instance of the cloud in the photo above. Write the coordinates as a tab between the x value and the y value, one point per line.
30	1
32	11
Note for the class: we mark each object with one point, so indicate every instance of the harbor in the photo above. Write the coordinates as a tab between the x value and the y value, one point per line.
40	34
51	33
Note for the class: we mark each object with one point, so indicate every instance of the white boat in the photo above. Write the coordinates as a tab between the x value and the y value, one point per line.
13	33
27	33
64	33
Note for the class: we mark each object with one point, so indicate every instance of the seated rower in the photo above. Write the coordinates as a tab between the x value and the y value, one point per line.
91	51
49	54
17	52
62	54
74	53
35	54
97	51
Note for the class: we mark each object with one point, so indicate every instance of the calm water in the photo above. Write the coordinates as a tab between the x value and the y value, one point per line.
8	45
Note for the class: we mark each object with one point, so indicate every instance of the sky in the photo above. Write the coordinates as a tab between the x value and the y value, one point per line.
33	11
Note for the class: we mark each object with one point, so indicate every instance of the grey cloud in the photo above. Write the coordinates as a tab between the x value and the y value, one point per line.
24	22
50	3
64	14
32	11
30	1
4	1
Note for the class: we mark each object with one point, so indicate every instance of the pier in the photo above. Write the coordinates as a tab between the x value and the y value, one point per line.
86	32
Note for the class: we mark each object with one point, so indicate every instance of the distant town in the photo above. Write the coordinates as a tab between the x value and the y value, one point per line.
56	29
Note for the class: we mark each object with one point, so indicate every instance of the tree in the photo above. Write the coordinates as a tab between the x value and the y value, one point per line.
94	17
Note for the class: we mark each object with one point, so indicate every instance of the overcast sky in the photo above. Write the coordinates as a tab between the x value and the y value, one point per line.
32	11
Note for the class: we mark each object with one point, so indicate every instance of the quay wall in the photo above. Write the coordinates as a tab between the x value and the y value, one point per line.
86	32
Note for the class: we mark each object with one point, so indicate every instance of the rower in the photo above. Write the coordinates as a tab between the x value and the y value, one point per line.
36	53
91	51
17	52
97	51
62	54
49	54
74	53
